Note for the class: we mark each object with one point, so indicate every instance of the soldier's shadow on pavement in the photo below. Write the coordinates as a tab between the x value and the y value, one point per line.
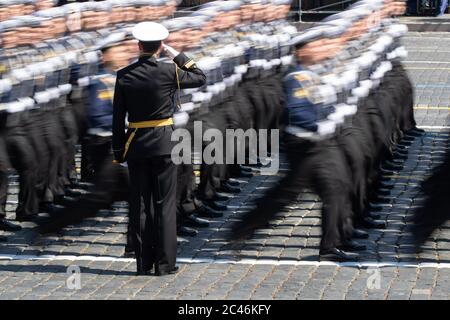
96	232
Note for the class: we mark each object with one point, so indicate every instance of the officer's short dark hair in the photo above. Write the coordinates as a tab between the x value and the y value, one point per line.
150	46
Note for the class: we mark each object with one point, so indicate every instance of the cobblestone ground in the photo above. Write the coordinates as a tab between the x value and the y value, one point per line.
280	262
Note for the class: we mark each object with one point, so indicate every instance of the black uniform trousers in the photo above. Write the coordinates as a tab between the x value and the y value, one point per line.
153	183
352	146
56	138
110	184
70	136
32	121
24	161
4	165
185	192
77	101
52	134
212	175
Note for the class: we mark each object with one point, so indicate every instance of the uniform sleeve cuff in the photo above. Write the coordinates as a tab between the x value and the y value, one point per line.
181	60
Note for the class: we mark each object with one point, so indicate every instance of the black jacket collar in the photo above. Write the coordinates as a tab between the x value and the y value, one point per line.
146	57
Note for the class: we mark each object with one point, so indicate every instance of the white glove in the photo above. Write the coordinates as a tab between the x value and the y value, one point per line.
326	127
180	119
336	117
171	52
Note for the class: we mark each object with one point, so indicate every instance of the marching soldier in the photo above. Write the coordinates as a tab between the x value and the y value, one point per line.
314	155
145	91
110	182
4	165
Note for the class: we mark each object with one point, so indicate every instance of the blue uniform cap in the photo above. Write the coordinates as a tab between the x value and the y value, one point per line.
112	40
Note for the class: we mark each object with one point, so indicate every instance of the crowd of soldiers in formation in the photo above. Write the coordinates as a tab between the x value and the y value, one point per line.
56	91
338	91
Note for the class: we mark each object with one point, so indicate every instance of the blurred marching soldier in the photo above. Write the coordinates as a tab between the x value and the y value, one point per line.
314	156
353	138
4	167
110	182
145	91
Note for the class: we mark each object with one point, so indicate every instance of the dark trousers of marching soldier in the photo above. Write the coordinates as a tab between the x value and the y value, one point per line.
153	184
4	165
322	167
23	160
110	184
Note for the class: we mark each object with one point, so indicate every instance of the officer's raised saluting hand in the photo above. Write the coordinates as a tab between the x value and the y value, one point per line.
170	52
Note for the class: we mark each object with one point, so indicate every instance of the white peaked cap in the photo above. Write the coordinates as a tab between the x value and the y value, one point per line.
150	31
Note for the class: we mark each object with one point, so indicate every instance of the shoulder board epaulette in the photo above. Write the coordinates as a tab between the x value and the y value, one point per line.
305	78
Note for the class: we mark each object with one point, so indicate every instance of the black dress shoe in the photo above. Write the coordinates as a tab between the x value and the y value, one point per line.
246	174
30	217
383	199
221	197
51	207
82	185
376	207
208	212
416	131
400	162
144	273
216	205
181	240
392	166
412	134
230	189
3	239
195	222
404	144
351	245
387	185
65	201
336	254
409	138
163	272
360	234
6	225
233	183
187	232
389	172
74	192
383	192
399	156
401	149
55	210
374	216
371	223
245	169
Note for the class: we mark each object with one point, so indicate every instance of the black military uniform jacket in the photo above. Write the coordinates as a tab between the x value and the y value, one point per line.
146	91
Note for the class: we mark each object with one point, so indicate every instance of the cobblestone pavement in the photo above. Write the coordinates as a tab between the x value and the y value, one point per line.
280	262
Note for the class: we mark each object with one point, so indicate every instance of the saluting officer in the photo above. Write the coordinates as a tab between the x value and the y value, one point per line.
146	91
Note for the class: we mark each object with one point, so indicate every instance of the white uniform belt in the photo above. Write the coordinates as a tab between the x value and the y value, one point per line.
99	132
304	134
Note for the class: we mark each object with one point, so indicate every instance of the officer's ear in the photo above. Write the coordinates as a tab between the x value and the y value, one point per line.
140	46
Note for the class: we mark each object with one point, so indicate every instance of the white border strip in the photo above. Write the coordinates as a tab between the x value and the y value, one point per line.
433	127
428	62
269	262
